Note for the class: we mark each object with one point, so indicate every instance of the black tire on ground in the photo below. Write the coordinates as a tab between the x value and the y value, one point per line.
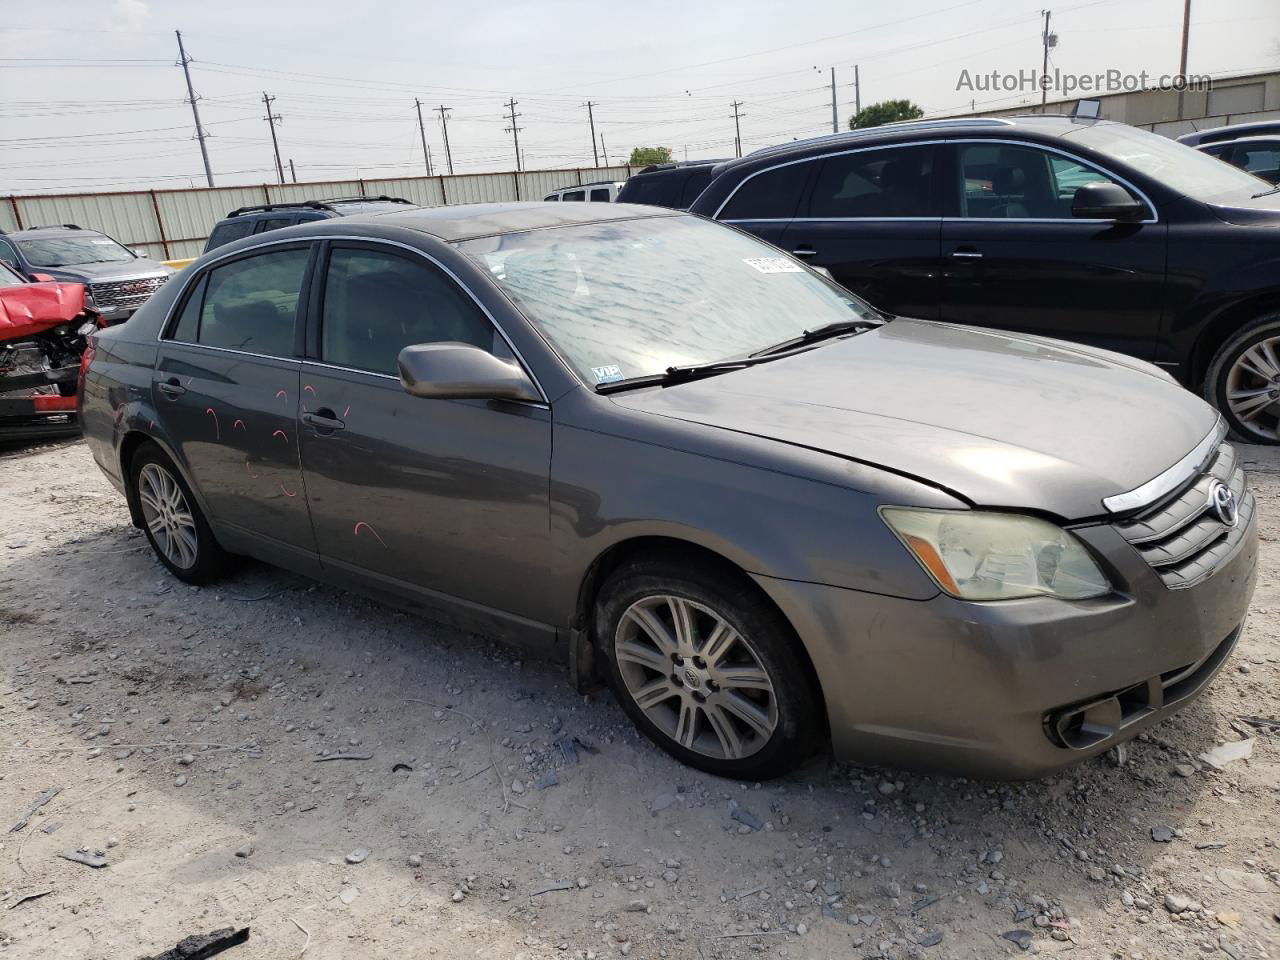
1264	427
769	641
210	562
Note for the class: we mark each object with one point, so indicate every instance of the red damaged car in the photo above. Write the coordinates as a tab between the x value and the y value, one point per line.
43	331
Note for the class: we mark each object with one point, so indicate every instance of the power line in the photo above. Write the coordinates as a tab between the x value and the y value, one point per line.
444	125
737	130
515	131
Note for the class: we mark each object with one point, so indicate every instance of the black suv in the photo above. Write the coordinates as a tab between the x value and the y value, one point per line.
117	280
1085	230
272	216
672	185
1250	146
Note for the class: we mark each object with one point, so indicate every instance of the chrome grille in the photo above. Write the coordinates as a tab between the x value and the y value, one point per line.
126	293
1183	538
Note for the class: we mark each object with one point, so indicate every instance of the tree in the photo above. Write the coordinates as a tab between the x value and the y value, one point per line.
887	111
643	156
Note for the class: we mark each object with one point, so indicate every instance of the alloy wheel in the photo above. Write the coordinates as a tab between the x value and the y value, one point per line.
1253	389
167	515
695	677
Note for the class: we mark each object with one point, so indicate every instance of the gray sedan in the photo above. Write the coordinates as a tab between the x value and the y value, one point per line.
669	453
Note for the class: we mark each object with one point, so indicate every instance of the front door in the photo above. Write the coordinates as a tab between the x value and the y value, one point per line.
225	390
872	218
1017	260
445	500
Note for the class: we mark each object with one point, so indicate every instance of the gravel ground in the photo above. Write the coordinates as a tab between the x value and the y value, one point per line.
497	814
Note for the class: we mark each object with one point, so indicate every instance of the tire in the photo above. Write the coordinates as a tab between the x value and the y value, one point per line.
747	710
172	520
1244	373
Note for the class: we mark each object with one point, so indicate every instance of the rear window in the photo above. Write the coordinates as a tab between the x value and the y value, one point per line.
654	189
249	305
771	195
576	195
600	195
227	231
695	182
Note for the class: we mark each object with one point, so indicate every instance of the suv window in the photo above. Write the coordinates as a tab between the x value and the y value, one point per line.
1261	159
252	304
575	195
554	196
601	194
376	304
8	254
1001	181
896	182
274	223
771	195
657	189
227	231
694	184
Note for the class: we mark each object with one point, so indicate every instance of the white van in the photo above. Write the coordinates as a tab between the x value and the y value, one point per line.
606	192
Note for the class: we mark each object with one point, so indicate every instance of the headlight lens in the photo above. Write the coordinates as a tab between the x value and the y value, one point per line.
978	555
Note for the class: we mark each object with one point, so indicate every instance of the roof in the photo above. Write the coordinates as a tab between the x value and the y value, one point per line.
1053	125
51	230
678	165
469	221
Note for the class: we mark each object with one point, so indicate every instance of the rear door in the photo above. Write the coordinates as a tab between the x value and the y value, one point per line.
873	219
1016	259
226	394
446	500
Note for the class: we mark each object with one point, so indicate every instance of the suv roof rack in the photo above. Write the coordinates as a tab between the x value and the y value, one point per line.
55	226
312	204
381	198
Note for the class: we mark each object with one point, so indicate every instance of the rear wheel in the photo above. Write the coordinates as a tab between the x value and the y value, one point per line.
1244	381
174	525
707	669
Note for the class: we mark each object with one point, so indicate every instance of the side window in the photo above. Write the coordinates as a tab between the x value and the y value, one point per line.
897	182
274	223
376	304
1261	159
1002	181
576	195
187	329
252	304
694	184
554	196
771	195
600	195
227	231
8	254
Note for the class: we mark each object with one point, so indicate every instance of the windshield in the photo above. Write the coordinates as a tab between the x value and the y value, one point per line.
629	298
8	278
66	251
1179	167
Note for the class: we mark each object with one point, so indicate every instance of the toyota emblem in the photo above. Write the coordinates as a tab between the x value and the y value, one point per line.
1223	502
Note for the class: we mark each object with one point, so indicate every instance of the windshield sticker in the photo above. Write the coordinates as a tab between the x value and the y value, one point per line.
607	374
773	265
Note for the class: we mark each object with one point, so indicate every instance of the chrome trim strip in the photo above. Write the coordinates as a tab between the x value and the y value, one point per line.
931	143
189	280
388	376
1170	479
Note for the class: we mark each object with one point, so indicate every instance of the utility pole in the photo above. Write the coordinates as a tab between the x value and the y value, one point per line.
604	150
857	92
737	128
592	120
514	130
1050	40
272	119
1182	62
195	112
444	125
835	114
292	172
426	154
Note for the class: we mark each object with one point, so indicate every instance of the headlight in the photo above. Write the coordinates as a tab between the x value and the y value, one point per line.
978	555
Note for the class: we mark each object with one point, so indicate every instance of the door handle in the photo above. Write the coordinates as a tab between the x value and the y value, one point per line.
323	419
804	252
967	252
172	389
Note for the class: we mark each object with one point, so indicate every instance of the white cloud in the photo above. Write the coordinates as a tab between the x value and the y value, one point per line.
129	14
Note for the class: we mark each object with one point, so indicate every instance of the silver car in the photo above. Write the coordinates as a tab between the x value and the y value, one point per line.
674	456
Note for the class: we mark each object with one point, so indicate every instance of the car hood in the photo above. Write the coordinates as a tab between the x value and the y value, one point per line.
1263	211
997	419
97	272
34	307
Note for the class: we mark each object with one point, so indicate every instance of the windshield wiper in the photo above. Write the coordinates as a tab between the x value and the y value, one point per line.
825	332
1266	193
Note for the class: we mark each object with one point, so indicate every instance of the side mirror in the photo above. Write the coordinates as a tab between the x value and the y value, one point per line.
1101	200
140	254
460	371
43	278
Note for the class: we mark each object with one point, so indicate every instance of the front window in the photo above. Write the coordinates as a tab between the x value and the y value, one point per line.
70	250
8	278
631	298
1177	166
1005	181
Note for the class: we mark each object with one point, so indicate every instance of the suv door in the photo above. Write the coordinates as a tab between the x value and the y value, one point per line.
1016	259
444	500
225	390
873	218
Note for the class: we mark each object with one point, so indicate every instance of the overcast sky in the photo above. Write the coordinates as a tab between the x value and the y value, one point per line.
98	103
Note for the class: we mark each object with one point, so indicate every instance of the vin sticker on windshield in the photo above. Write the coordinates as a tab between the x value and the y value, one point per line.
773	265
607	374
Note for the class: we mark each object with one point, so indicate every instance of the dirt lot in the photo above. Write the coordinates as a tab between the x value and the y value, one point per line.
501	815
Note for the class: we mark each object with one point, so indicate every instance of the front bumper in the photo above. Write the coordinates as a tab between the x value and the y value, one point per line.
991	689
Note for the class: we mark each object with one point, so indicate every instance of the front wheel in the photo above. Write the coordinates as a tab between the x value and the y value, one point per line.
1244	381
174	525
707	669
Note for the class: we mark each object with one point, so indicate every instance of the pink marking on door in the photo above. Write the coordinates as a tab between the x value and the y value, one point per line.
355	531
217	430
346	411
240	424
281	434
286	491
281	393
151	425
248	468
307	386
